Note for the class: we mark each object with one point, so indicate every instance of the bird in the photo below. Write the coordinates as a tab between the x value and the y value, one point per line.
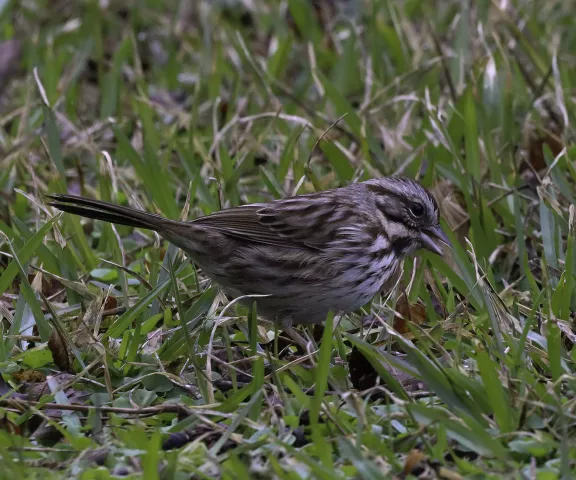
298	257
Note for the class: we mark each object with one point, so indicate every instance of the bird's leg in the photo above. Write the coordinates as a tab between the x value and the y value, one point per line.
309	340
296	337
286	325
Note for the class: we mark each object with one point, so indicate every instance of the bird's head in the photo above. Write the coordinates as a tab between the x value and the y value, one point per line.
408	213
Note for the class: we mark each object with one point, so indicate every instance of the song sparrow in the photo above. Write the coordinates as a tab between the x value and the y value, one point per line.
331	250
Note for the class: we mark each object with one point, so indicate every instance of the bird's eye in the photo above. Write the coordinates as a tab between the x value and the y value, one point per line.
416	210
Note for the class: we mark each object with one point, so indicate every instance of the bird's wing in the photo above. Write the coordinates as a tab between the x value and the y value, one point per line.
294	222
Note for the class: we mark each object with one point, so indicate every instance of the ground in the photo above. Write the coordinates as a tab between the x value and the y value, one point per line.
183	107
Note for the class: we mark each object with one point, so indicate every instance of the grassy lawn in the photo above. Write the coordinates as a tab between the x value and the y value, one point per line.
119	359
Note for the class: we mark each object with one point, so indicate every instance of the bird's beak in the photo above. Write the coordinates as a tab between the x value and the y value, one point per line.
430	237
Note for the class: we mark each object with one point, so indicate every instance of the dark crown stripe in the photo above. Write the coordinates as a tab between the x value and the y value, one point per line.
378	189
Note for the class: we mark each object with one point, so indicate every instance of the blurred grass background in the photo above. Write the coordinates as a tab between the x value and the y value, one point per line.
183	107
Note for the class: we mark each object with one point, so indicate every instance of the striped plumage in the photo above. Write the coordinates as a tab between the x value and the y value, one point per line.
332	250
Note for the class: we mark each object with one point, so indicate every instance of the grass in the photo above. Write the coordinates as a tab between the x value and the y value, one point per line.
118	358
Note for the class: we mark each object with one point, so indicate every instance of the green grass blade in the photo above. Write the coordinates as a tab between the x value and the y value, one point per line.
25	253
322	369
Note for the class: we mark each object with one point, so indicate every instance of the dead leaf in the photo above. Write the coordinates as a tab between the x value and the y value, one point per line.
412	460
30	376
110	303
35	390
407	312
60	351
545	126
535	148
363	375
9	426
80	288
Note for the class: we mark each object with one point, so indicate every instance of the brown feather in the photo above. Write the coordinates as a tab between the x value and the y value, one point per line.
292	225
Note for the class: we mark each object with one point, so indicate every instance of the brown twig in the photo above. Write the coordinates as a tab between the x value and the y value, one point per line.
26	404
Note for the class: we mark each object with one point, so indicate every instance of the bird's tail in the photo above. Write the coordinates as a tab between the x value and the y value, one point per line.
109	212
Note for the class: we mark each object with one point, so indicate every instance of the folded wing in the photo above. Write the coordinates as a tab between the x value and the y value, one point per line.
300	222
